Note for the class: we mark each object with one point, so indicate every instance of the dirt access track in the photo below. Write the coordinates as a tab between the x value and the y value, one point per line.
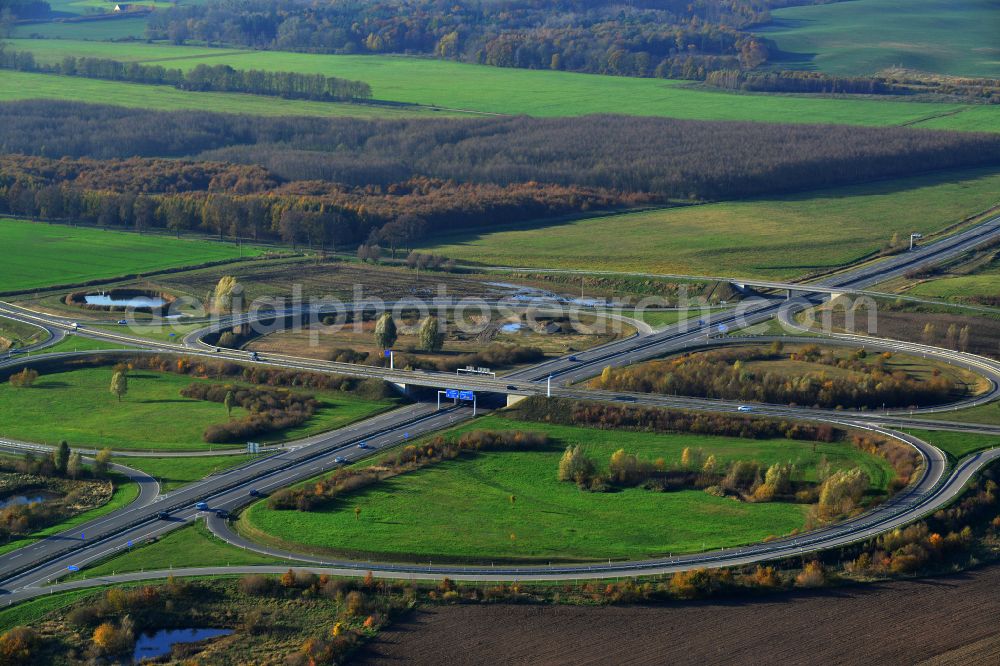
941	621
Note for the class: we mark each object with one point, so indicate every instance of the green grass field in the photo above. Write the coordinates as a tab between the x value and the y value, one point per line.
125	493
36	255
988	414
775	238
74	343
465	87
153	416
959	287
24	85
97	30
161	333
956	444
861	37
461	510
190	546
174	472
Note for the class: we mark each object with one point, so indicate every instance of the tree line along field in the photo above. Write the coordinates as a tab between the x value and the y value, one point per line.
464	87
804	374
462	510
956	37
38	255
78	406
23	85
774	238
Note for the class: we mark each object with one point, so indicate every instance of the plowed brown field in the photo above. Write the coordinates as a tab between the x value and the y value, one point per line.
942	621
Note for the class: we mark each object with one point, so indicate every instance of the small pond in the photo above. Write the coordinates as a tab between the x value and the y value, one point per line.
125	302
152	644
29	497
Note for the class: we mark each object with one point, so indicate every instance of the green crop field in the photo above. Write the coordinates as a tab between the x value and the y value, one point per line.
153	416
775	238
957	444
115	29
37	255
467	87
861	37
959	287
23	85
461	509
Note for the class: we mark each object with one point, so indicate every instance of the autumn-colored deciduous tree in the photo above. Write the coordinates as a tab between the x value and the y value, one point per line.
75	465
24	379
119	384
222	297
111	640
288	579
102	462
575	465
385	331
812	575
17	645
431	335
842	491
766	577
229	401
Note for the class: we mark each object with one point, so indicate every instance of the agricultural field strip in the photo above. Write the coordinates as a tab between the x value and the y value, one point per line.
458	88
941	250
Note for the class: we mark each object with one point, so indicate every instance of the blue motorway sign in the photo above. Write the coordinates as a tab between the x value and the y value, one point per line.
451	393
466	395
387	353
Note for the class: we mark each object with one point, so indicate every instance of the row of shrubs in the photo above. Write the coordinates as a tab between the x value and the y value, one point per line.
905	460
409	458
271	410
656	419
370	389
723	375
837	493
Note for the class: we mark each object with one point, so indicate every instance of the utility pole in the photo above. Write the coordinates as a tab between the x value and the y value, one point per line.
548	387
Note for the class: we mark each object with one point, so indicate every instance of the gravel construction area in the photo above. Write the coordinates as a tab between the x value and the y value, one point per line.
940	621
